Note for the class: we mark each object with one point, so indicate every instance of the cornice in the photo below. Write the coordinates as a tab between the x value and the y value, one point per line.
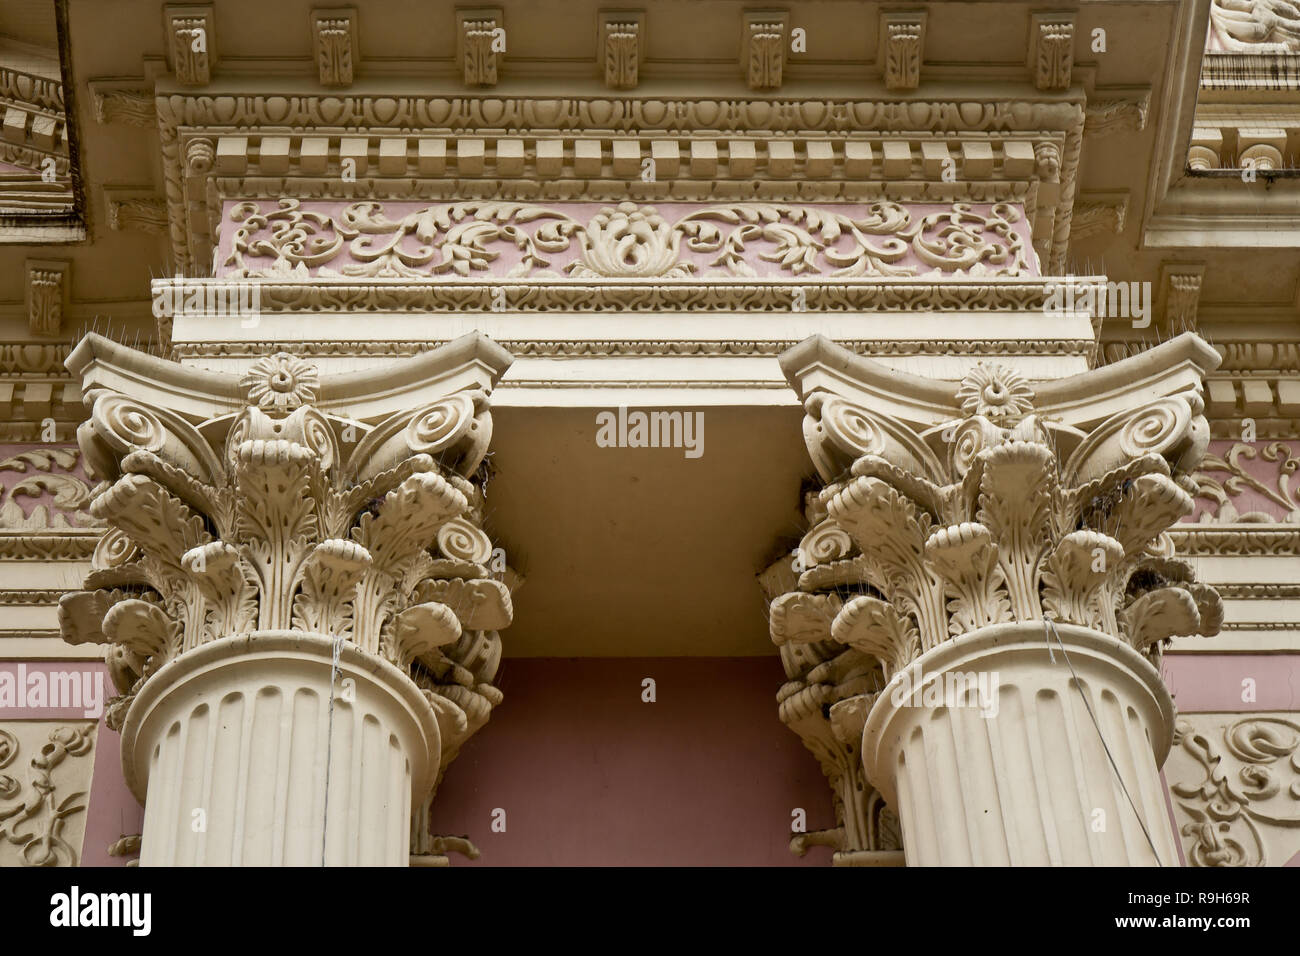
240	145
639	347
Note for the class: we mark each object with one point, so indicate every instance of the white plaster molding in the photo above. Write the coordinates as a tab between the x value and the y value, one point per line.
1236	788
42	805
252	519
956	519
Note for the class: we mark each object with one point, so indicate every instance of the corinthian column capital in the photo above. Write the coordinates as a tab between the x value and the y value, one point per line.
295	582
957	520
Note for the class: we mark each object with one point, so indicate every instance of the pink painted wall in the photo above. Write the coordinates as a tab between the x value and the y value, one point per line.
1214	683
590	775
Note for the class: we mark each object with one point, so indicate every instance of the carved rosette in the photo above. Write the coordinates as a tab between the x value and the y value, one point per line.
273	526
956	520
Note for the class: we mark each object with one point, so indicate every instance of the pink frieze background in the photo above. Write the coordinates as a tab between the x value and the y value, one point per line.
509	257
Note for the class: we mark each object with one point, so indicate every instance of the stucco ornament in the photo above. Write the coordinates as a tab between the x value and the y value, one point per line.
628	241
1256	26
267	516
995	392
280	382
1236	787
958	518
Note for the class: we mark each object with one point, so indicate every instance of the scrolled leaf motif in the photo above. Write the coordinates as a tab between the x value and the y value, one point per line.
629	241
441	425
824	543
462	540
1164	426
873	627
965	558
126	423
1079	577
299	240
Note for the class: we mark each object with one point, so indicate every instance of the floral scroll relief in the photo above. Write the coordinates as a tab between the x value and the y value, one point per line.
1248	798
33	817
59	494
1241	477
625	241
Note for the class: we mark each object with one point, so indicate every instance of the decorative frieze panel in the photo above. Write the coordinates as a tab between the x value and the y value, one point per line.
47	295
1109	113
1052	50
763	49
127	103
701	149
45	774
480	44
1251	482
1098	215
192	43
43	488
404	240
1180	295
1235	782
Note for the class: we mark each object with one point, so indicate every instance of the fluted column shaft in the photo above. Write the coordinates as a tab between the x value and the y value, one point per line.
987	749
252	756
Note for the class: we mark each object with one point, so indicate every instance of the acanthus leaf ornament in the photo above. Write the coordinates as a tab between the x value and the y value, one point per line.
957	520
241	526
629	240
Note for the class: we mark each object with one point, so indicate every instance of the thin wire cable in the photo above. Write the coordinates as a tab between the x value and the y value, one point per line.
1050	632
329	745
